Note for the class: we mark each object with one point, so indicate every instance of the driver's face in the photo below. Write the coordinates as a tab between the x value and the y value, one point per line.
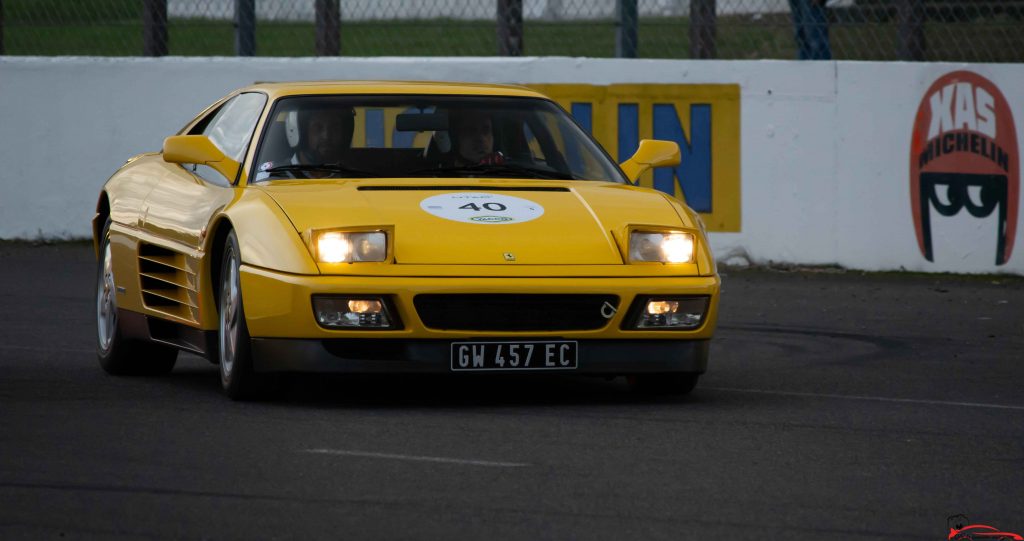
475	136
326	135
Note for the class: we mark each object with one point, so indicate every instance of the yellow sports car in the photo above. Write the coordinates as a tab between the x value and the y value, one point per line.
399	227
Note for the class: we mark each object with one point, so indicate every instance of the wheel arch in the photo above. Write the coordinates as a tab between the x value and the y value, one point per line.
218	236
266	236
99	220
266	239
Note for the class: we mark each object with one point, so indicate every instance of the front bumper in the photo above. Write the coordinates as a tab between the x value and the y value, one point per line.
432	356
279	305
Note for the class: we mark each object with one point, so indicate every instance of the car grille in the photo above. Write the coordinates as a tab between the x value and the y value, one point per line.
495	312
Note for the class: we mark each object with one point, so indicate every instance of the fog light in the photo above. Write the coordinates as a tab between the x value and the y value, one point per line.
661	307
348	312
670	313
363	306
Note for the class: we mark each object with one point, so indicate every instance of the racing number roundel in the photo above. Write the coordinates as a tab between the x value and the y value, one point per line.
964	157
482	208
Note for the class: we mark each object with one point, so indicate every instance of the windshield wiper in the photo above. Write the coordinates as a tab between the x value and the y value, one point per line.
503	170
328	167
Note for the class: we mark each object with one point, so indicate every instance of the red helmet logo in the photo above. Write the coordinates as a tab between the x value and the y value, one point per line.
963	156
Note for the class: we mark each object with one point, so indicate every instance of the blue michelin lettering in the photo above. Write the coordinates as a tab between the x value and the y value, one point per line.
629	130
375	128
694	170
404	139
583	113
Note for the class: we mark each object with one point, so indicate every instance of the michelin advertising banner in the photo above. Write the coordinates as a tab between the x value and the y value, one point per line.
928	168
964	161
704	120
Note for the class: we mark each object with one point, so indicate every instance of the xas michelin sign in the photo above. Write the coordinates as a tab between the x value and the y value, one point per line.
963	156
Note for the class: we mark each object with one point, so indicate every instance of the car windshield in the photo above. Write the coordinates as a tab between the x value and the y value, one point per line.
427	136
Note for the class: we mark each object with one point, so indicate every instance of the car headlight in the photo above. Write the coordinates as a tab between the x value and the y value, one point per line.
661	246
349	246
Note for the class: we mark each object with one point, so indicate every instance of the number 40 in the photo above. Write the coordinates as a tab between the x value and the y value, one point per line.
494	207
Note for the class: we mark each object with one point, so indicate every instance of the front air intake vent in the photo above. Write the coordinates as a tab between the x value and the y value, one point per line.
168	285
504	312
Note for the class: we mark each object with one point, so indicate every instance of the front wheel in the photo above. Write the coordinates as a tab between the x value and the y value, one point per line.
670	383
237	377
116	355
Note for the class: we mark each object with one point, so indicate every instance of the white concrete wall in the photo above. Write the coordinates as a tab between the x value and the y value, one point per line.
825	145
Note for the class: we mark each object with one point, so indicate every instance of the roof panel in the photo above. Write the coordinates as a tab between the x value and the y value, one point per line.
278	89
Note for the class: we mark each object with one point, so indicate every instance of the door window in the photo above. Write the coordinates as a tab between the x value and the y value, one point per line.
232	126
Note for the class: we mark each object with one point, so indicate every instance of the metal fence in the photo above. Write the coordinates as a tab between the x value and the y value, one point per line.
935	30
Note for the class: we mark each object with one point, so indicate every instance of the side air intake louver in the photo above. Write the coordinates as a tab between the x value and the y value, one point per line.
168	285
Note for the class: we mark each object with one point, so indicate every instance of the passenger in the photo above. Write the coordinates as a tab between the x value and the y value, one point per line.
472	134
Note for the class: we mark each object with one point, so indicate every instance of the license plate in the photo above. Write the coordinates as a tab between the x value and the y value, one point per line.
548	355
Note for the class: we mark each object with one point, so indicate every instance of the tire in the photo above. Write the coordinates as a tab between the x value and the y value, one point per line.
670	383
117	355
234	345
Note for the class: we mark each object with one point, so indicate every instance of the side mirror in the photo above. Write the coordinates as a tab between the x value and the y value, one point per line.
651	153
198	149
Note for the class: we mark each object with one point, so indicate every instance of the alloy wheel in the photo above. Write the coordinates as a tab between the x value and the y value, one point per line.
106	302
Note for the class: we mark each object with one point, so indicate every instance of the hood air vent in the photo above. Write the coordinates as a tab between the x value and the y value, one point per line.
475	188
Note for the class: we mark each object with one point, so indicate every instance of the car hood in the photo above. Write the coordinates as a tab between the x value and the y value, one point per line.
481	221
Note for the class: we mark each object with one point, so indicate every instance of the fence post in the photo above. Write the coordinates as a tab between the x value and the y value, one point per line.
245	27
625	29
328	28
910	44
154	27
510	27
702	29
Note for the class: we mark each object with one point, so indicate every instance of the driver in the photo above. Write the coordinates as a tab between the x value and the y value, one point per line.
319	135
315	136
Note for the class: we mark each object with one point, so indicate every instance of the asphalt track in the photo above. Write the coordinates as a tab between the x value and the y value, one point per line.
837	406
